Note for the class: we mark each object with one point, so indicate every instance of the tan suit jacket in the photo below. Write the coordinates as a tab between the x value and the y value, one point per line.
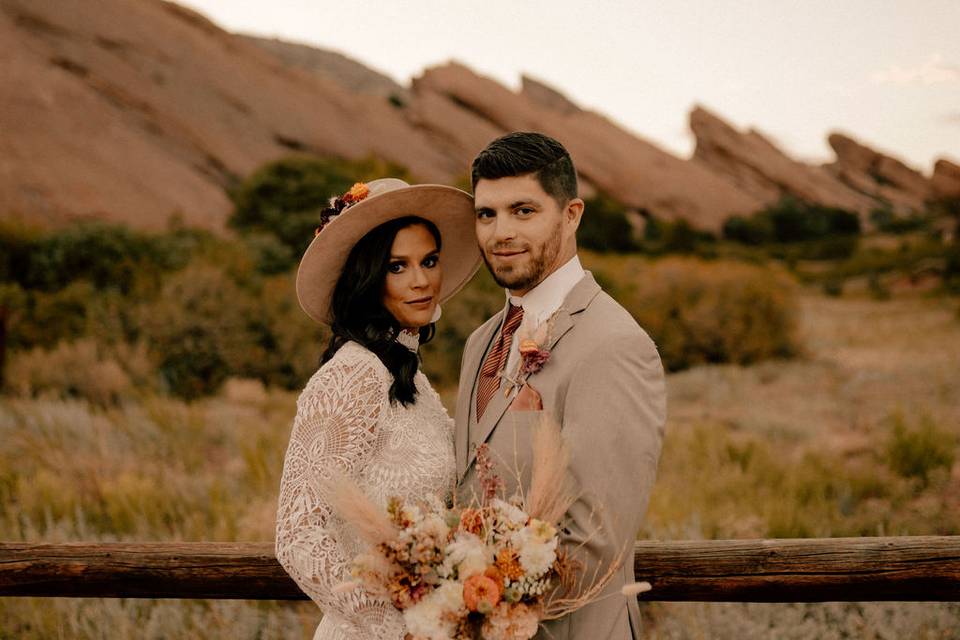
605	384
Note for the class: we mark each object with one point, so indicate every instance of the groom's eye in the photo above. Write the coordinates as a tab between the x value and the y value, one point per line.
483	214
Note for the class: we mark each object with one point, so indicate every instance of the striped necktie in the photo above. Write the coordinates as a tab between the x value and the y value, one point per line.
490	371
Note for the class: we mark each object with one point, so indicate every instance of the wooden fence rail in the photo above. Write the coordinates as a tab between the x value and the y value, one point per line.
794	570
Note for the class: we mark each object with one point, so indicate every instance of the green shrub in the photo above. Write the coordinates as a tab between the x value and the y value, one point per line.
791	220
604	226
284	198
677	236
708	312
47	318
916	452
107	255
887	221
199	330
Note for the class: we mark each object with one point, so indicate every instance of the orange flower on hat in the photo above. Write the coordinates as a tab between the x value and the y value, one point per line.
357	192
481	593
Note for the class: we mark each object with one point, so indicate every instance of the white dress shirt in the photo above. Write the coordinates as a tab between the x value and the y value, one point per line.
543	300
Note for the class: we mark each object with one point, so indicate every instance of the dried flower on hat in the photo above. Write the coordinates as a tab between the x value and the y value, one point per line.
338	204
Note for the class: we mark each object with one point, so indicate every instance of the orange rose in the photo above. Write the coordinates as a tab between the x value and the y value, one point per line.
481	593
494	574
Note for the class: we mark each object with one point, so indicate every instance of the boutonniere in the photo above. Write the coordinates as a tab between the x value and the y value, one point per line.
532	342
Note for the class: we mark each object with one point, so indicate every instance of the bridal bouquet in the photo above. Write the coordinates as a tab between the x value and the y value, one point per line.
490	570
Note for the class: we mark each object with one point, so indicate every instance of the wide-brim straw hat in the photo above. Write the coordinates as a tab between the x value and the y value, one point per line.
389	198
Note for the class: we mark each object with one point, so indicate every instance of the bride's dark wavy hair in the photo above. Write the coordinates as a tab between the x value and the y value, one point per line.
359	314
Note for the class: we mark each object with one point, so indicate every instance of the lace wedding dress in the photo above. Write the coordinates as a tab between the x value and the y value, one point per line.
346	422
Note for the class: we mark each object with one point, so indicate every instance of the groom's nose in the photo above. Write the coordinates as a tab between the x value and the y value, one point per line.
504	228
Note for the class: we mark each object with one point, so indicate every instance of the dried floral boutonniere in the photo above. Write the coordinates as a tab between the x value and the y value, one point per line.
532	342
338	204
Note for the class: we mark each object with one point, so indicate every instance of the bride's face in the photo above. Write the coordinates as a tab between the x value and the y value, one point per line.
411	287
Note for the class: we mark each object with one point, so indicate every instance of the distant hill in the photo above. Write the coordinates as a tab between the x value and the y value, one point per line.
133	111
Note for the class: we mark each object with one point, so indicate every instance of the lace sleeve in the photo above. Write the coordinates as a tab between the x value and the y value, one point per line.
335	428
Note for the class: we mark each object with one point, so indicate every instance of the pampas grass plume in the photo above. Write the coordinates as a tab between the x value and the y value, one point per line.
550	494
356	509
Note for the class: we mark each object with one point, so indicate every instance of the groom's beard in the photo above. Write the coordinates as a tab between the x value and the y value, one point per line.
525	276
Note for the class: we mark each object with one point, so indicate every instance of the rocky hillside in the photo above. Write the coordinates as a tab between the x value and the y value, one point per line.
133	111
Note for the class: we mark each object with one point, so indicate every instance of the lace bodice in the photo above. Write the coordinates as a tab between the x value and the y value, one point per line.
345	422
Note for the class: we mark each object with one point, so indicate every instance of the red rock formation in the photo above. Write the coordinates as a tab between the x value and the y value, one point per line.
136	110
946	179
625	166
343	70
877	175
132	111
758	167
546	96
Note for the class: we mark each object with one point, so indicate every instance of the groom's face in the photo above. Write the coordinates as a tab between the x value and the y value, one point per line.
523	232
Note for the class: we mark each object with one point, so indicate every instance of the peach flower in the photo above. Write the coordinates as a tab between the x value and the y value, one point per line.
481	593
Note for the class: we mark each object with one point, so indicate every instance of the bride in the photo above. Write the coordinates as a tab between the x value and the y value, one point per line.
386	254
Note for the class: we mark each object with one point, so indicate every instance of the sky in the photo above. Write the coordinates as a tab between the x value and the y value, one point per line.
886	72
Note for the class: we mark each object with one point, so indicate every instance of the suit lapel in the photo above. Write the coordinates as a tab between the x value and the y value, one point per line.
467	406
577	300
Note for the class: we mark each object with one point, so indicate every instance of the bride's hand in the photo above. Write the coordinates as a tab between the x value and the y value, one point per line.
527	400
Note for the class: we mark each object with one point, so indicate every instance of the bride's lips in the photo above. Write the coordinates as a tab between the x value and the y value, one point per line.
420	303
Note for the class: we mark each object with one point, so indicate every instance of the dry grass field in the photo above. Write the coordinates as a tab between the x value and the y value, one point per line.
858	436
819	446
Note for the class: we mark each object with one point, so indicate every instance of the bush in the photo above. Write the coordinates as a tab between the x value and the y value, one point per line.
918	452
199	330
789	221
710	312
284	198
604	226
48	318
81	369
107	255
677	236
886	221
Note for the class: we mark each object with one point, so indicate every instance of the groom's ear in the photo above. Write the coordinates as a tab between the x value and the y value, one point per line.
573	212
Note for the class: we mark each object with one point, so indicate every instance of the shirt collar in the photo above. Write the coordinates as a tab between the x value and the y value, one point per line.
544	299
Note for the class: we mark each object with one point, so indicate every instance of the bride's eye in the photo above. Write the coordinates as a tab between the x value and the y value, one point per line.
431	261
395	267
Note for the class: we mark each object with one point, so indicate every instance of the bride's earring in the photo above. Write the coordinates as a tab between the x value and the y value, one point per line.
436	313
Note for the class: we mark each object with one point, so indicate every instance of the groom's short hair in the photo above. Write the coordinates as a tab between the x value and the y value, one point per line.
527	152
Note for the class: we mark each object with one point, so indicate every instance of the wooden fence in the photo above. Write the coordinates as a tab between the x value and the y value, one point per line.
783	570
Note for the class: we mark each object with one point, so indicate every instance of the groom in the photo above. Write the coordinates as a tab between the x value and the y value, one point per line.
603	380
